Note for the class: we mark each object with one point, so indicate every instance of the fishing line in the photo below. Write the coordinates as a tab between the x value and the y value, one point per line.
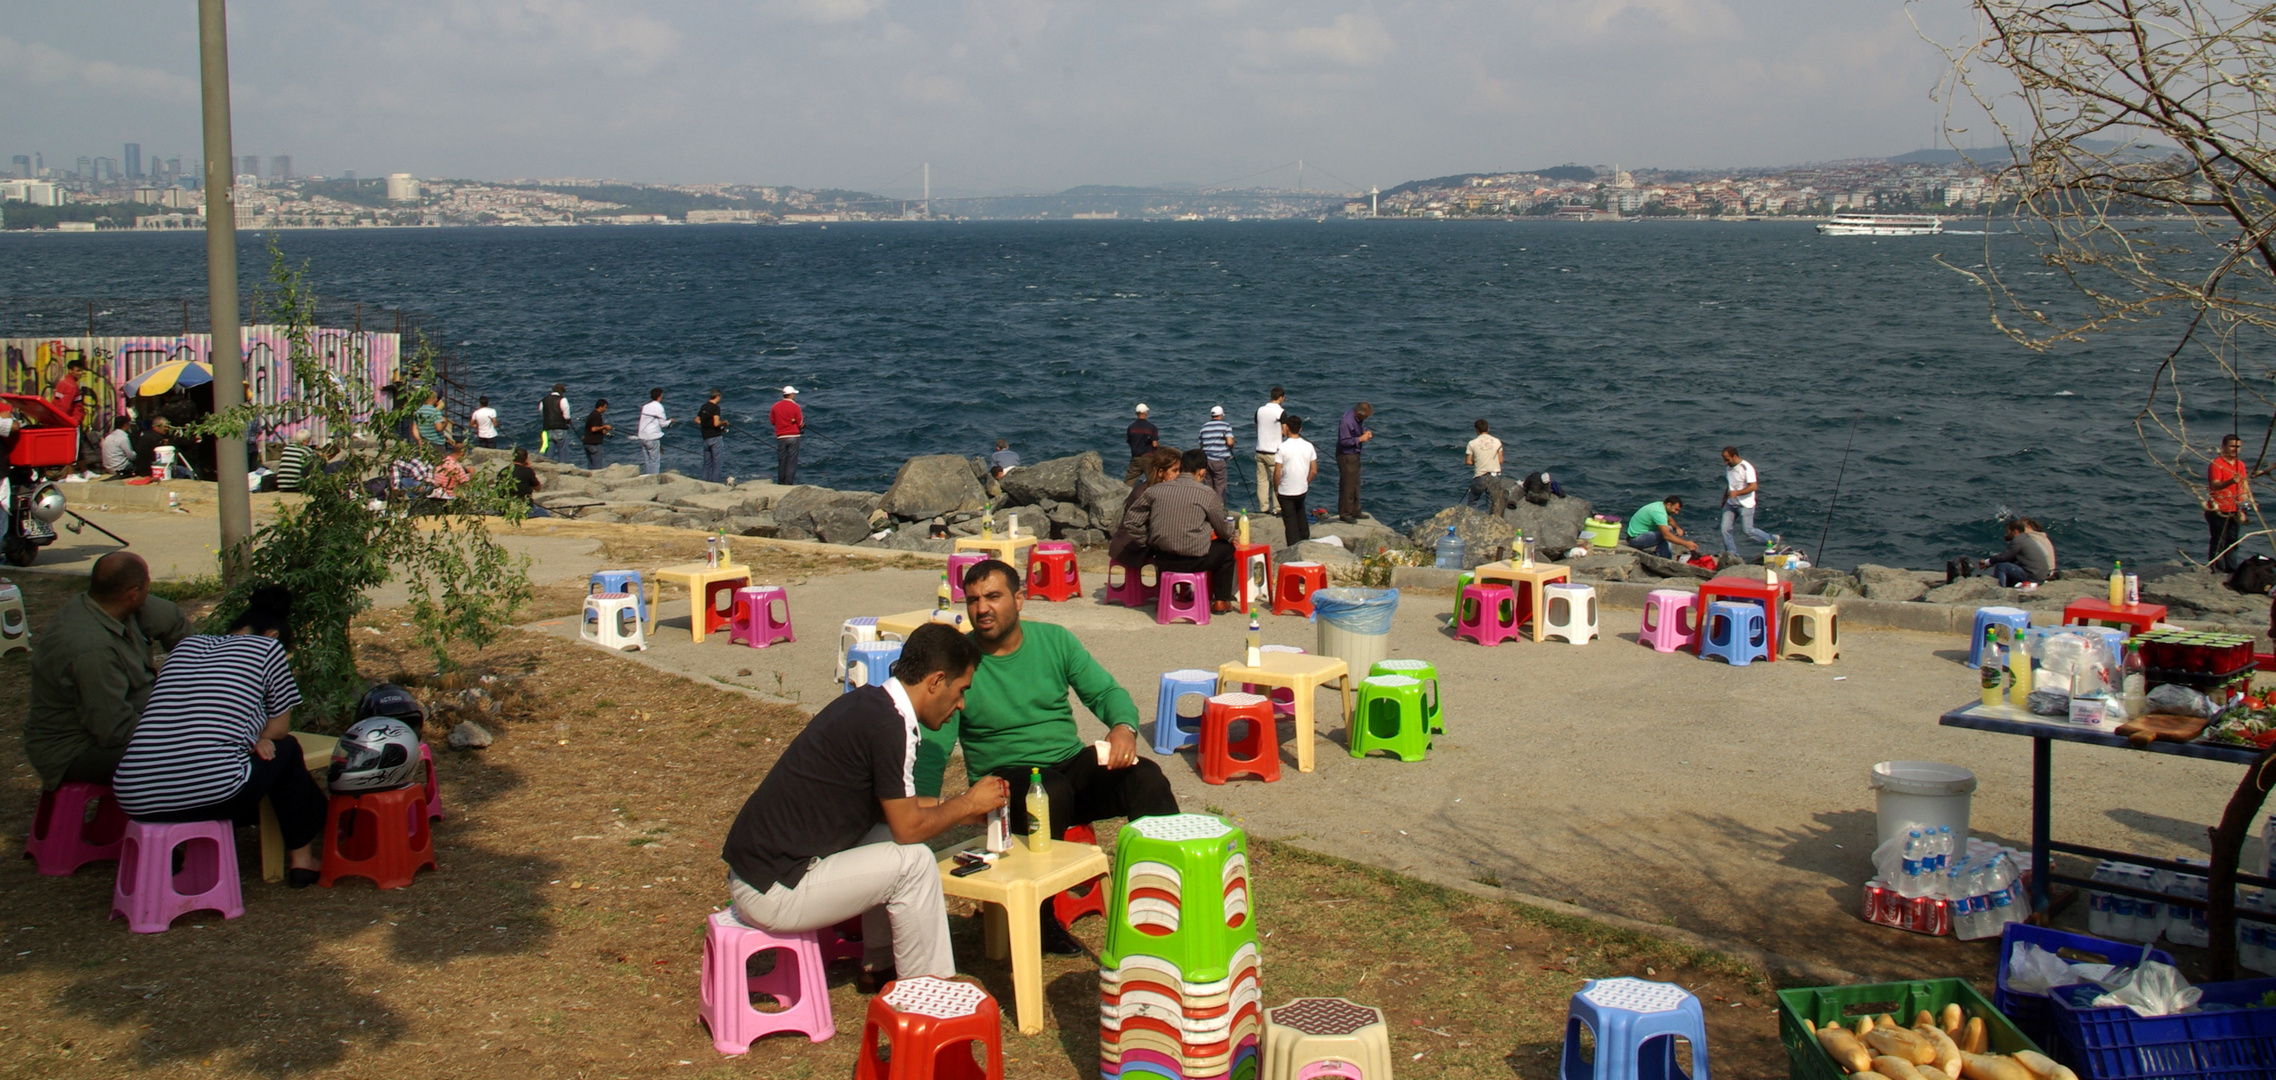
1837	478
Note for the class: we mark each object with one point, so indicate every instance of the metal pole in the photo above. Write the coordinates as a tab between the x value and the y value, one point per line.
228	354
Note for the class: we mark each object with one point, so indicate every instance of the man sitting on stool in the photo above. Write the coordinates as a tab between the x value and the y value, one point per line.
837	828
1016	718
1183	521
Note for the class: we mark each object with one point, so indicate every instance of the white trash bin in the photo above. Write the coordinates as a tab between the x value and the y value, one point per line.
1355	626
1921	794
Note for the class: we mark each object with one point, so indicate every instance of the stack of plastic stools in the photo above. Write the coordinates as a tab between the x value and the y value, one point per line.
63	838
929	1026
1813	630
1670	620
605	617
754	623
1131	590
1253	564
620	581
1052	573
1487	614
1390	716
1320	1038
871	663
2014	618
151	894
1183	596
798	983
1635	1024
1736	631
1170	732
1293	586
1571	614
854	632
15	630
1179	988
1088	898
1424	672
381	835
1255	754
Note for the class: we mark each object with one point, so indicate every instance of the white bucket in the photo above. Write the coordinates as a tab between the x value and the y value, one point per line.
1358	651
1921	794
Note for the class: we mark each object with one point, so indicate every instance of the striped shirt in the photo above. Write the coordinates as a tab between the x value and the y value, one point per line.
194	744
1214	436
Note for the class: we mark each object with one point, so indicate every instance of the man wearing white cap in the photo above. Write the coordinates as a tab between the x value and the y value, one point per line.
1217	442
1144	437
789	423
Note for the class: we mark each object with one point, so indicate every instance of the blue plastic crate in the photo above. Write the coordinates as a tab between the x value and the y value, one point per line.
2230	1038
2032	1014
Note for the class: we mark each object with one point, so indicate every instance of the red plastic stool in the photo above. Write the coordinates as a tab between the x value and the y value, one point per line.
1487	614
1133	590
797	983
1258	752
63	836
1088	898
1052	574
931	1024
1184	596
151	894
1292	589
363	843
1252	565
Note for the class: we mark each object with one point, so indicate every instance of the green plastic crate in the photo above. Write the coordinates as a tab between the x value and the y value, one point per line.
1807	1060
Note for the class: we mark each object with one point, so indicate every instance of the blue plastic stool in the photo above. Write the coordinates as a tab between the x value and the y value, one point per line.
1171	734
1736	631
2014	618
871	662
625	581
1636	1024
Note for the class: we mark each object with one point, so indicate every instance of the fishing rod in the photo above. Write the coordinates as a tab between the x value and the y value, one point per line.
1837	478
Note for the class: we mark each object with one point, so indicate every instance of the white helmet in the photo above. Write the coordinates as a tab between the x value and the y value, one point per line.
379	754
47	503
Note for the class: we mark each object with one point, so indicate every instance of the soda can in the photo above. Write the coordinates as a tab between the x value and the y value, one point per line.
2133	588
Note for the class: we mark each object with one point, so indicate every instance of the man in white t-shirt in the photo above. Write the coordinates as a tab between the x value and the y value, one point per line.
1268	445
485	421
1738	501
1484	456
651	432
1294	466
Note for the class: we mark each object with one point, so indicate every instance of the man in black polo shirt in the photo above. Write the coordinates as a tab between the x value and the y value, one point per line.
837	828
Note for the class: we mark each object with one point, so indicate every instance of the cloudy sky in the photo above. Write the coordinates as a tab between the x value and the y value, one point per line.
1003	95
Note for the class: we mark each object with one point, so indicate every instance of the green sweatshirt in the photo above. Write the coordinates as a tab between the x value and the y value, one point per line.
1016	712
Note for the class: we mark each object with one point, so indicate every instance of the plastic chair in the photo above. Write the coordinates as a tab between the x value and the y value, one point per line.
1183	596
1669	620
15	629
1389	716
1256	754
1132	589
1170	732
1424	672
1252	565
1088	898
1052	574
1636	1024
1813	630
150	894
1736	631
620	581
1487	614
63	838
958	563
853	632
754	622
1571	612
1309	1038
930	1025
381	835
1293	587
2014	618
871	663
604	624
798	983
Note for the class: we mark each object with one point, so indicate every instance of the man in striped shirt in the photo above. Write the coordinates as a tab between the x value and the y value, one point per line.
1217	442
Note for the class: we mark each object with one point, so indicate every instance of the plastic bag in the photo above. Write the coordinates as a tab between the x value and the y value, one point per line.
2033	970
2049	703
2153	989
2181	701
1358	611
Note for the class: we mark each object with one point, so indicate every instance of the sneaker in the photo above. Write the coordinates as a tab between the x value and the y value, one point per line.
1056	940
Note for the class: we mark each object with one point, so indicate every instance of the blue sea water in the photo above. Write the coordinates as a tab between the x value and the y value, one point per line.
1620	358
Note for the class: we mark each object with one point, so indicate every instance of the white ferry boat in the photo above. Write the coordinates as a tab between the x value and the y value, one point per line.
1882	225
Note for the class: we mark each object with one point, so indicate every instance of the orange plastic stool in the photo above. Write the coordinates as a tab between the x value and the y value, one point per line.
931	1024
1258	752
1293	586
1052	574
1088	898
381	835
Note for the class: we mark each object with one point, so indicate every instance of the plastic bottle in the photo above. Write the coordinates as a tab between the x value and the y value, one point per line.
2184	925
988	522
2117	585
724	558
2020	677
2149	915
1450	550
2100	920
711	552
1989	660
1912	880
1244	528
1255	655
1038	813
1525	550
2135	680
1956	900
2002	888
2252	937
1944	846
942	598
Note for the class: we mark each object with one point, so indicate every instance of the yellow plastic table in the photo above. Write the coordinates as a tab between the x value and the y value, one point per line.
1529	583
1301	673
1005	548
907	622
316	754
698	579
1014	888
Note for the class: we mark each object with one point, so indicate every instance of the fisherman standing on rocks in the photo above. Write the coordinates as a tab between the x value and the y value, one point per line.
1143	437
789	426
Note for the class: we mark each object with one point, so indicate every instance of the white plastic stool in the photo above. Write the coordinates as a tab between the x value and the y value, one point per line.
855	632
606	617
15	630
1571	614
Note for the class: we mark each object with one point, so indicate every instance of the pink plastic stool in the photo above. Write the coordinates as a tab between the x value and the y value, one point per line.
63	839
1669	620
1283	698
958	563
1133	590
797	982
1183	596
754	621
843	941
1487	614
434	787
150	895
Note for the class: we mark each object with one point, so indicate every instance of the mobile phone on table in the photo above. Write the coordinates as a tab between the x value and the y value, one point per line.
969	869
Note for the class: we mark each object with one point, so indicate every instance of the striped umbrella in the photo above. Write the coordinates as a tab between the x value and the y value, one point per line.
171	375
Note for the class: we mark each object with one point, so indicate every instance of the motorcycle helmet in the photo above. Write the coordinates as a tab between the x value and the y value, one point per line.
390	700
379	754
47	503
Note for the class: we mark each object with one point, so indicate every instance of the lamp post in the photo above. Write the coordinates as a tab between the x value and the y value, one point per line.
228	353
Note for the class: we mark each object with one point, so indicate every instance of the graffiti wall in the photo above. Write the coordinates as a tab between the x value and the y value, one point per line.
359	359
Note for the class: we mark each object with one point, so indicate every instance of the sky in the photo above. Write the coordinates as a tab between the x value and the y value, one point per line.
999	96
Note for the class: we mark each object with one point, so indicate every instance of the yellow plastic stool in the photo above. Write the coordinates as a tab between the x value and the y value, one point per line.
1325	1037
1813	630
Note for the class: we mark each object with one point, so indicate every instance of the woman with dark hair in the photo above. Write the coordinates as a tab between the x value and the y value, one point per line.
1128	546
214	736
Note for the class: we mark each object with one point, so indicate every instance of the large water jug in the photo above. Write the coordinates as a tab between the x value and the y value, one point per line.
1450	550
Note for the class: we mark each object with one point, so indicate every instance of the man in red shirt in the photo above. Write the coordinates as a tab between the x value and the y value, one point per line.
789	423
64	399
2228	489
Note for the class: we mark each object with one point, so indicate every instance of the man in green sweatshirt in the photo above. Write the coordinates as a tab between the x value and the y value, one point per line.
1016	718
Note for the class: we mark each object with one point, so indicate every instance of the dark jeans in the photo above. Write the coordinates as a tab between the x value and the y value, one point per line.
1488	485
1218	564
1292	518
1654	543
1083	791
2008	574
1137	469
2220	545
490	443
557	442
715	458
786	460
284	781
593	456
1347	486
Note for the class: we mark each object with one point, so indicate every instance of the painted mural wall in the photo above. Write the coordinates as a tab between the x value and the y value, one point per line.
363	359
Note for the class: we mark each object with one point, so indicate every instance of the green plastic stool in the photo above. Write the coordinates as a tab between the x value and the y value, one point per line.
1462	581
1208	913
1390	717
1422	671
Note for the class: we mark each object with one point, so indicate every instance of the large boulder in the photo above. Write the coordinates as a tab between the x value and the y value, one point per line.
1889	583
1101	496
840	525
1324	554
1365	536
2198	589
798	508
760	524
565	484
917	538
1967	590
1554	526
1485	538
1085	538
933	485
1670	568
1054	479
1607	564
1065	517
763	494
725	502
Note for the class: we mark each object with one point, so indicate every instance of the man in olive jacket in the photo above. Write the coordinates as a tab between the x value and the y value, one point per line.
91	672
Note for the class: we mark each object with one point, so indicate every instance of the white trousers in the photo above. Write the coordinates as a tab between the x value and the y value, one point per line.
895	888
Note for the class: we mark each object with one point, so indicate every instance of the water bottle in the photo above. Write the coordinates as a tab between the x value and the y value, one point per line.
1943	846
2003	886
2099	905
1912	881
1450	550
2149	915
2251	937
2184	925
1967	901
